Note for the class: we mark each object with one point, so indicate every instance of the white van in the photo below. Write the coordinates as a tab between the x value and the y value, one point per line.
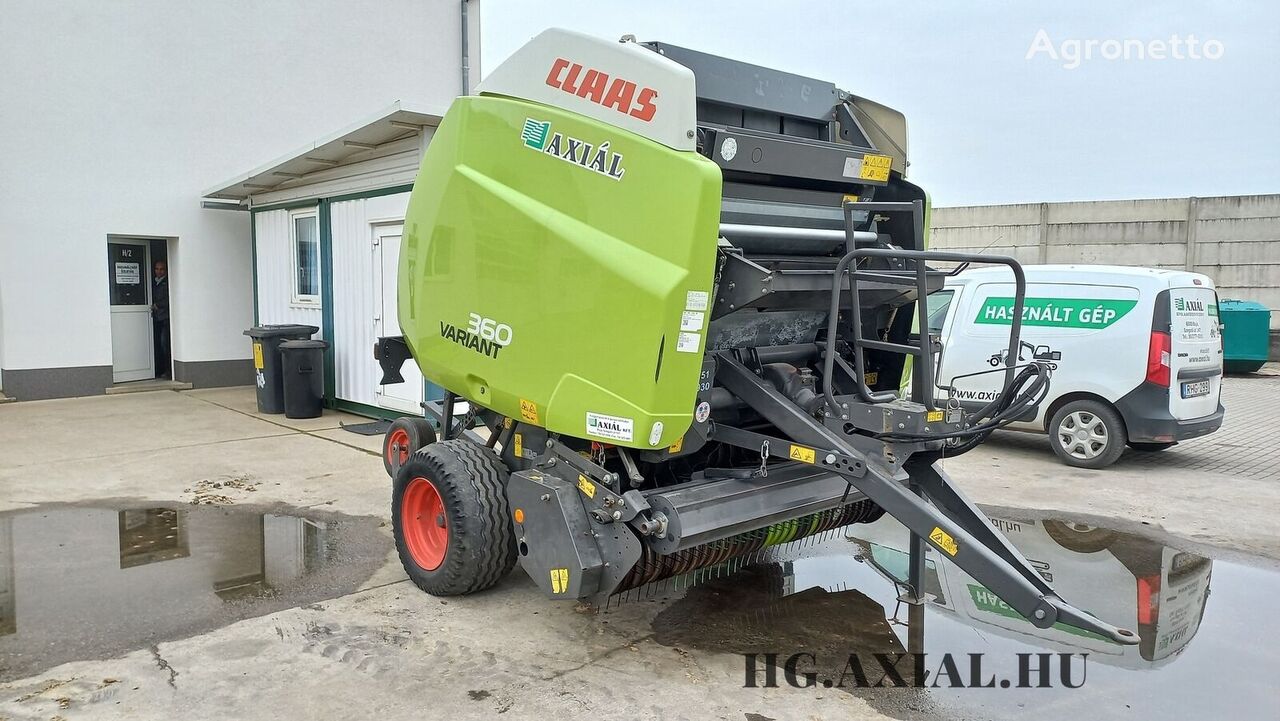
1135	353
1158	591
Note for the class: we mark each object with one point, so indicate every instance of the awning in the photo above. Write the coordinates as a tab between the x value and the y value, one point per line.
353	144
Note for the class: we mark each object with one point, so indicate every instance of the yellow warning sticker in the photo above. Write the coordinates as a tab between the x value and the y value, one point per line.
875	167
529	410
257	356
802	454
586	486
851	198
871	378
677	446
943	540
519	444
507	422
559	580
935	416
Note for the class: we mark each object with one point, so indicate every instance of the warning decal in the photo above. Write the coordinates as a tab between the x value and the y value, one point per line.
559	580
529	410
802	454
943	540
875	167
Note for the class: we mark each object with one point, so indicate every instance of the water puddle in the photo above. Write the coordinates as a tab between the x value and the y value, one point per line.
83	582
1207	627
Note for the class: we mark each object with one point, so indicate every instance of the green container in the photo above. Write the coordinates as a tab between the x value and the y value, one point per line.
1246	335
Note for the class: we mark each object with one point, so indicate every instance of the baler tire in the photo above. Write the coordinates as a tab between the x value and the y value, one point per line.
469	481
410	434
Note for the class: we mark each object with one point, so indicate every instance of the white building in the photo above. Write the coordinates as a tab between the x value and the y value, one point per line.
117	118
326	226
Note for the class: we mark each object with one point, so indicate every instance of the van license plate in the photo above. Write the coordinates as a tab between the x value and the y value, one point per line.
1195	389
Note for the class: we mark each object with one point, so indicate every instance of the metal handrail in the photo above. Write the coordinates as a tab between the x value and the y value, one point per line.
922	350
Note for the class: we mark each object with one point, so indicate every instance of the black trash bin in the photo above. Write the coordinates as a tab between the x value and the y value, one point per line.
303	377
266	361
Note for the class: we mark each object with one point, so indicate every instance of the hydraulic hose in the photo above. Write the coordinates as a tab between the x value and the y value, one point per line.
1025	392
1013	406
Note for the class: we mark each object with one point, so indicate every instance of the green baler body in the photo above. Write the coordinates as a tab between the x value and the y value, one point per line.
587	270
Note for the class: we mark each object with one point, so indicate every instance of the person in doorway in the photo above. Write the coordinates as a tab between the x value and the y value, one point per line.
160	316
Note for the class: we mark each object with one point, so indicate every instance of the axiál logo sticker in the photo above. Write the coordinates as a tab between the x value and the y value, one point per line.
538	135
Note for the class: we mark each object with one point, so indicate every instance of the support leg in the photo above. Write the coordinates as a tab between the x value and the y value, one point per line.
915	563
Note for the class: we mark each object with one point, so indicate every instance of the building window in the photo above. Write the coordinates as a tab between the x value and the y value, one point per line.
305	234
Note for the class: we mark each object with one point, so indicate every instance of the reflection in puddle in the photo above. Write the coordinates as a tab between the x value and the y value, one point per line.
80	583
1199	655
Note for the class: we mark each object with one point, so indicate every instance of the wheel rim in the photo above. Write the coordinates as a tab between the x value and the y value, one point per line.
1083	435
398	447
422	519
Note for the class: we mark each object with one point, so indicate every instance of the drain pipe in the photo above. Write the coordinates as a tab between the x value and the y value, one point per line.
466	59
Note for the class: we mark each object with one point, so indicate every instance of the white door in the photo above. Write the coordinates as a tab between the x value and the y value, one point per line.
1195	357
405	396
129	283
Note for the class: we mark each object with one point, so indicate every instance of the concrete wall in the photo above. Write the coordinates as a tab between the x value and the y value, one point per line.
118	116
1235	240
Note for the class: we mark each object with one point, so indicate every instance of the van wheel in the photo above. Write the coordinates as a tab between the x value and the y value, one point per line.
1087	434
1150	447
1079	537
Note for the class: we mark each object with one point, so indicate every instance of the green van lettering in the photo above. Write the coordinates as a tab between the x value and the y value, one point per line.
1056	312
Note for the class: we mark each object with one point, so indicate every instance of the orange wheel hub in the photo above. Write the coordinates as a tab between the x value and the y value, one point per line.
422	520
398	447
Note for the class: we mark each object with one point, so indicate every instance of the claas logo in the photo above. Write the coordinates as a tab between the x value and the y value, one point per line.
595	85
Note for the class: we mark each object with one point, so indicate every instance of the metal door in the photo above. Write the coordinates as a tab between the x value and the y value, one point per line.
405	396
129	284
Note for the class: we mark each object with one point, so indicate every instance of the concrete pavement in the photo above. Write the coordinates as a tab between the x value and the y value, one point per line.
389	651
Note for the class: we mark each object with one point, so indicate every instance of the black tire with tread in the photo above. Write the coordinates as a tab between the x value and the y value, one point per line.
1116	434
471	481
1088	540
421	433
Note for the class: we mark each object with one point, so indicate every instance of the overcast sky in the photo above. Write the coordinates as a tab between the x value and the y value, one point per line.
987	124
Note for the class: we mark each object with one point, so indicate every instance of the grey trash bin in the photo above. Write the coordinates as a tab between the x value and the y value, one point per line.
303	362
266	361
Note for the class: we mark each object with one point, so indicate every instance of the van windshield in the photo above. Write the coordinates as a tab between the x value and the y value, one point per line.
939	302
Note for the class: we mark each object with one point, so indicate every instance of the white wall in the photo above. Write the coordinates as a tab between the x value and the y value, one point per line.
118	115
275	273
